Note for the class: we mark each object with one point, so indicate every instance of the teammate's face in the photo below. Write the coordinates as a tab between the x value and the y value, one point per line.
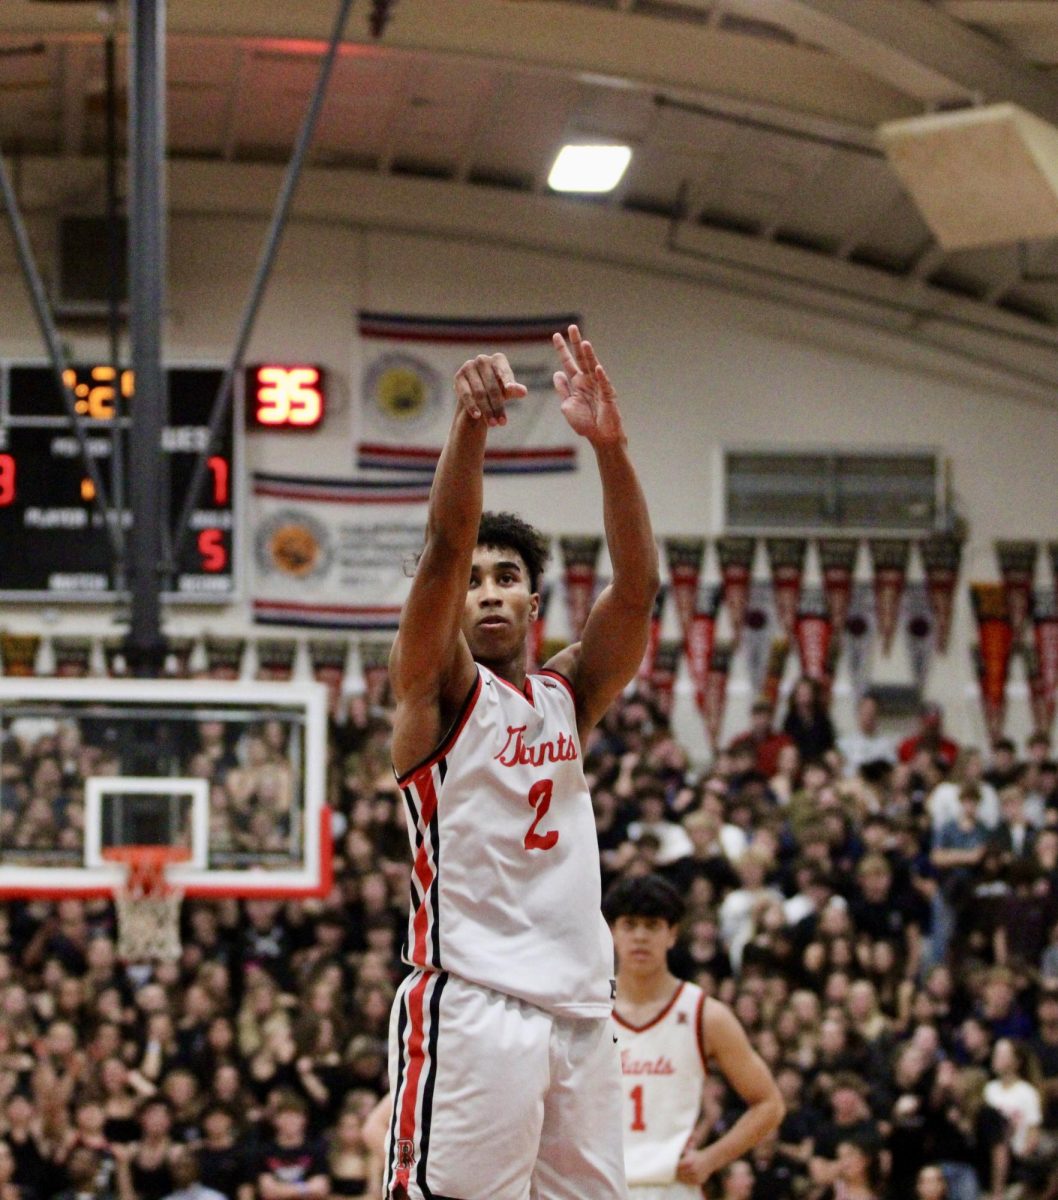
499	604
643	944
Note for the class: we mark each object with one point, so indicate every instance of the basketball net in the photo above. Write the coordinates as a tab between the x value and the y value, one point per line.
147	904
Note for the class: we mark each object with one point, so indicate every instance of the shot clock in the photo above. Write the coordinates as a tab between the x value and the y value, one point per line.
53	545
285	397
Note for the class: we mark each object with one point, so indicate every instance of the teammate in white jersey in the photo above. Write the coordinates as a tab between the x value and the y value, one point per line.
667	1032
503	1071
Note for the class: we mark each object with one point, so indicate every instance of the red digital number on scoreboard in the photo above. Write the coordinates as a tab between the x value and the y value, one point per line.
286	397
7	479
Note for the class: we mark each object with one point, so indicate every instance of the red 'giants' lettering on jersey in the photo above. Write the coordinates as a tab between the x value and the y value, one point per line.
516	753
646	1066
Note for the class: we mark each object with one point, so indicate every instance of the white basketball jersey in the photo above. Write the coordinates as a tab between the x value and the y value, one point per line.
505	878
663	1069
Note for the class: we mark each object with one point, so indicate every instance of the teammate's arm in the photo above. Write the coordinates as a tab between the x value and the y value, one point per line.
745	1071
615	634
430	665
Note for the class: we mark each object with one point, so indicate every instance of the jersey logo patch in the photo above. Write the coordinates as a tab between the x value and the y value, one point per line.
681	1018
405	1154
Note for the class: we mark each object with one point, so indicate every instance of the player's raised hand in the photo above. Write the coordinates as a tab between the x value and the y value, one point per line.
485	385
589	401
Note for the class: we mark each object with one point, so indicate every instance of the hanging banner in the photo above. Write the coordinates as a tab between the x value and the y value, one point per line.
735	555
701	634
889	558
663	676
275	658
777	656
374	663
992	654
646	667
859	638
941	555
178	657
334	552
813	631
224	656
407	399
712	699
786	557
327	659
684	558
1044	679
921	632
1017	568
580	557
757	634
18	654
73	656
837	563
537	627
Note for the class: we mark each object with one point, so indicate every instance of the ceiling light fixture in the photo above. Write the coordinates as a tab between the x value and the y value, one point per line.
589	167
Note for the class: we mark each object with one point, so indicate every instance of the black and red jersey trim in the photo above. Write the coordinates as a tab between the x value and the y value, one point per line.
654	1020
562	679
446	742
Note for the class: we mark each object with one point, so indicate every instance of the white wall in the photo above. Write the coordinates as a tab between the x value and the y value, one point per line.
696	368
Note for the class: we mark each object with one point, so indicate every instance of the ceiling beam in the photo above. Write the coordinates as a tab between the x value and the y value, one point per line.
928	38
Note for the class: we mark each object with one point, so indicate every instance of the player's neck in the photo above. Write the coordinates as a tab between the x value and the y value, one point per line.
511	670
636	990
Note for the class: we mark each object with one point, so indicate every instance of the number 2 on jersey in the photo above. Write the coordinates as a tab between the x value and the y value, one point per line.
636	1096
540	799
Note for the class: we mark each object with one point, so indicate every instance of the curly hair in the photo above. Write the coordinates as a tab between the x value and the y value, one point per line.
505	531
643	896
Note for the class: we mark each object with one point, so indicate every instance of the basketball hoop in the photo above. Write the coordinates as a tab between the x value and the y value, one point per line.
148	905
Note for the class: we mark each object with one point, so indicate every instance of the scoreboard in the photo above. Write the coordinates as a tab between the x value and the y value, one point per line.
53	542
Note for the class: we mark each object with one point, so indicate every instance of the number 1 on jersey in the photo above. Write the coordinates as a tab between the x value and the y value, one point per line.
636	1096
540	798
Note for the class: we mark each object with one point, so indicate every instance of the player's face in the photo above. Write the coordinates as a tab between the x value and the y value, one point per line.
499	604
643	944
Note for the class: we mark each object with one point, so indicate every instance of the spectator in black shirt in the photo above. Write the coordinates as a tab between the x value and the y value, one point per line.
808	723
222	1164
881	916
850	1120
291	1167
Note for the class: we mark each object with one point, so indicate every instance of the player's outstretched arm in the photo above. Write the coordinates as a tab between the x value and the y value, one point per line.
615	634
430	665
746	1072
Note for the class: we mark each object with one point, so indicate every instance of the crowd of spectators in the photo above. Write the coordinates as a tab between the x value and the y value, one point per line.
881	913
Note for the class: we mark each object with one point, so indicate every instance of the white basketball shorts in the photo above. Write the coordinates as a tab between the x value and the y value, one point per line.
664	1191
495	1099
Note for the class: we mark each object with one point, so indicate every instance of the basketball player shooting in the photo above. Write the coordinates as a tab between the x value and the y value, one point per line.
503	1069
666	1031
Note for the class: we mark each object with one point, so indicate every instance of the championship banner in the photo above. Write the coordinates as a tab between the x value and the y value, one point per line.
327	658
837	562
701	634
536	628
1041	701
1045	677
275	658
18	654
992	654
758	630
224	656
663	676
407	399
334	552
713	699
1017	568
178	657
735	555
814	631
941	555
921	632
889	558
684	558
859	638
777	656
786	557
374	663
646	667
580	556
73	656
